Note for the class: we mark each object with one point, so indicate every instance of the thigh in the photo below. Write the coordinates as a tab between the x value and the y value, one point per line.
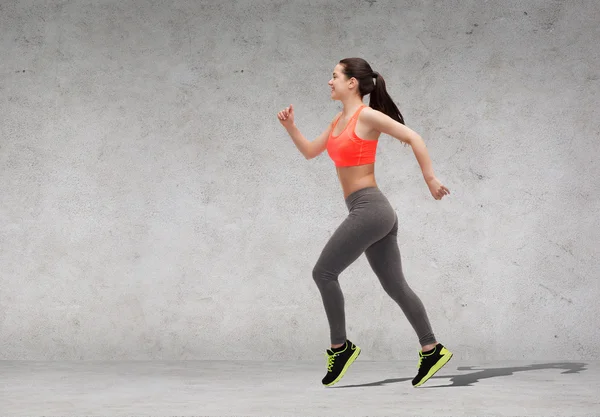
384	257
350	240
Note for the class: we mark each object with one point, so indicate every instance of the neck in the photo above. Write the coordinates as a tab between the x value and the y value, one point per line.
351	104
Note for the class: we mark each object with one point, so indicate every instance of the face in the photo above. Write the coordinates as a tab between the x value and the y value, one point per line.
340	85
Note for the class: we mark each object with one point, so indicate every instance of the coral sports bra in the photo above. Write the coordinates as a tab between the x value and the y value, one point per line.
347	149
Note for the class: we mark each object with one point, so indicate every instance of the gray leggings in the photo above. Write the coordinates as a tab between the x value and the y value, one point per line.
371	227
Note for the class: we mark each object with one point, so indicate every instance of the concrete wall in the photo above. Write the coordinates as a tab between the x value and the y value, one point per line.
152	207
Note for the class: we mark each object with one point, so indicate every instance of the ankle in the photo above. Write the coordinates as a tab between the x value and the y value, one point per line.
427	348
338	346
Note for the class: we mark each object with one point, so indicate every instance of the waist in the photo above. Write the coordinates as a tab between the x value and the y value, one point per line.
355	178
371	195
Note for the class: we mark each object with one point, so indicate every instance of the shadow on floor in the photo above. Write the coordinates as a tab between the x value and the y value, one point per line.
466	380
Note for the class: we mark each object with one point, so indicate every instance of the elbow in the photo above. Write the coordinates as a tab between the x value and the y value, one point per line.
406	140
414	139
309	154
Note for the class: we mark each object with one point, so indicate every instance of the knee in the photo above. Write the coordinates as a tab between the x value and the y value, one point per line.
317	273
398	291
321	275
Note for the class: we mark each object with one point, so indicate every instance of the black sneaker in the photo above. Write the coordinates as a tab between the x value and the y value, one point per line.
431	362
339	361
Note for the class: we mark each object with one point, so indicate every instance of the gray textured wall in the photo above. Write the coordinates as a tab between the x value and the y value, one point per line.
152	207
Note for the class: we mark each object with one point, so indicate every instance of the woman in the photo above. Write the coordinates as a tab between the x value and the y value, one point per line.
372	225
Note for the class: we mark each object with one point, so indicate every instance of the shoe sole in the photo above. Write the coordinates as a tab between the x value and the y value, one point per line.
443	361
350	362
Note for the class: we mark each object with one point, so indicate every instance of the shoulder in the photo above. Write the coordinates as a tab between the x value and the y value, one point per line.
372	118
369	113
381	122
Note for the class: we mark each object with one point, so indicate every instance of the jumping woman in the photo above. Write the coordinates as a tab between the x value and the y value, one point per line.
371	226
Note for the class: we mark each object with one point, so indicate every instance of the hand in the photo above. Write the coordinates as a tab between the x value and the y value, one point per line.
286	117
437	189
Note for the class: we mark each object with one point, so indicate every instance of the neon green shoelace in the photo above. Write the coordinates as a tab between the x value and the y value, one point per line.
330	360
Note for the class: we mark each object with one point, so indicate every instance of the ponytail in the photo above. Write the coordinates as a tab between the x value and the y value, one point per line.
381	100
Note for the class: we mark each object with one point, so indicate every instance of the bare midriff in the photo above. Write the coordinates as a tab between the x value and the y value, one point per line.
355	178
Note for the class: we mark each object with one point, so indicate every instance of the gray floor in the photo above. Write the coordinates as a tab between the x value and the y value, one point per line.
278	388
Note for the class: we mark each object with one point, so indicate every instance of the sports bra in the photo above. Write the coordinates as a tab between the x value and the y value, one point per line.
347	149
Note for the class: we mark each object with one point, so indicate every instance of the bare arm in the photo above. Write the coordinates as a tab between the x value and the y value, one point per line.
307	148
383	123
300	141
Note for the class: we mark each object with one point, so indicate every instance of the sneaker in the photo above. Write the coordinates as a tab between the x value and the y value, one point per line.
430	363
338	362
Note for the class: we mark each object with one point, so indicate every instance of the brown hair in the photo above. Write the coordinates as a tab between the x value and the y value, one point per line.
380	99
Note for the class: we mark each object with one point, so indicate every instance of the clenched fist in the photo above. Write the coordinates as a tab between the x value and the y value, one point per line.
286	117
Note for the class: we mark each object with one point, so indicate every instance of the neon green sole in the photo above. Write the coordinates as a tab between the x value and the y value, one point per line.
443	361
350	362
